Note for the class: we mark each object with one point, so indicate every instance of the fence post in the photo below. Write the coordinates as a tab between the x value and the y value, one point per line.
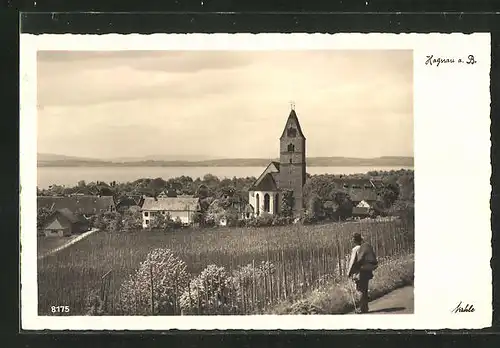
151	285
104	289
254	286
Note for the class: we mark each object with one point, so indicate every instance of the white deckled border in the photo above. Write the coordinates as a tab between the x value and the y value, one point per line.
452	150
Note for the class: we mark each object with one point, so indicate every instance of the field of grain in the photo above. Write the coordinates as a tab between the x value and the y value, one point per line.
302	258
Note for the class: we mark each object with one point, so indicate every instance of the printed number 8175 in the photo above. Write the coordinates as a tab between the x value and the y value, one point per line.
59	309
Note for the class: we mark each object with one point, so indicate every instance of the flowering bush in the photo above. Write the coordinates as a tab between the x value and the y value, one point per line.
209	293
155	288
94	304
249	282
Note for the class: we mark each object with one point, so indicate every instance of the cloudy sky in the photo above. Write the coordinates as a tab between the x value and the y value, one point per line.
224	104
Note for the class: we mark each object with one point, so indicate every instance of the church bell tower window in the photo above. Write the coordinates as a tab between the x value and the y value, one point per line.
291	148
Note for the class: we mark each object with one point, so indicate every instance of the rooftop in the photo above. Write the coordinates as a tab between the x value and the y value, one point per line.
82	204
170	204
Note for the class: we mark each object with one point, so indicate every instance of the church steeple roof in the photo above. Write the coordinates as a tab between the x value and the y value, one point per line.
293	120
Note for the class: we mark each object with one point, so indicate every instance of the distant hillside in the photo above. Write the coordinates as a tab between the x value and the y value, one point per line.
50	160
50	157
161	158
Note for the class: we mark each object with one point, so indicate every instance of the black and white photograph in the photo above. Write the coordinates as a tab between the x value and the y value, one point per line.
176	183
228	182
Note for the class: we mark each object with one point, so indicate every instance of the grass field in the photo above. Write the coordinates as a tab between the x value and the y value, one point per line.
45	244
303	257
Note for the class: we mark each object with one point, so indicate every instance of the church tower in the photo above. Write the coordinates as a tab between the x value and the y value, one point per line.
292	174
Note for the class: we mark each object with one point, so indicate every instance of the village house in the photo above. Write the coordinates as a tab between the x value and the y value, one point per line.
78	204
287	174
362	192
62	222
239	210
168	193
131	202
183	208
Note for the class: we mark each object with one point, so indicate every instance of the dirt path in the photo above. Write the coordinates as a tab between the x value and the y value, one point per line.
71	242
399	301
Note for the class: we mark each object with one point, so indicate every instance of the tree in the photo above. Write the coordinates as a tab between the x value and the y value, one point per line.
314	207
344	204
132	221
331	209
203	191
160	221
116	224
389	194
156	287
406	186
42	215
208	293
287	203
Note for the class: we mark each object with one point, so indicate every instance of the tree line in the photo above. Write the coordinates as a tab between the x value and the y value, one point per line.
323	200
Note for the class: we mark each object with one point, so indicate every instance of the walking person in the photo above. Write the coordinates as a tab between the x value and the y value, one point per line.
361	266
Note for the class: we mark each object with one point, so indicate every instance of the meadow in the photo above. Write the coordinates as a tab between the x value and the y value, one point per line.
298	259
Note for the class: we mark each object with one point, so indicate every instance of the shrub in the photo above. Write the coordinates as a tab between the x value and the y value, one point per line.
249	282
94	304
209	293
308	219
282	220
287	203
42	215
264	220
155	288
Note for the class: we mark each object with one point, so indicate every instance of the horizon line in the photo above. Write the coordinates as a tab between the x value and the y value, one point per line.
208	157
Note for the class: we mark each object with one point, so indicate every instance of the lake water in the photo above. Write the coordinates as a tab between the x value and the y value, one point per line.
69	176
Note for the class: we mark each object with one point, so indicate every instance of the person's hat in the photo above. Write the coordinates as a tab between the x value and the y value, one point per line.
357	237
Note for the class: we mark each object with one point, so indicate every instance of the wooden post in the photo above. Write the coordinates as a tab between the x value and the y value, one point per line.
284	273
152	287
271	297
339	258
254	286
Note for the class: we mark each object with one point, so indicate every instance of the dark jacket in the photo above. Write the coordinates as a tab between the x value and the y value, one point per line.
365	260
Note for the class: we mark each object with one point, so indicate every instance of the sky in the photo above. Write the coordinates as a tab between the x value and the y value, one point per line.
224	104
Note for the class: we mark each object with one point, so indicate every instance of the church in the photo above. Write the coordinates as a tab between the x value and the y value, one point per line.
289	173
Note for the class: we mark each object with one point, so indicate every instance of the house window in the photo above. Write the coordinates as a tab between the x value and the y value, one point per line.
257	204
146	214
248	215
267	202
291	148
147	222
290	161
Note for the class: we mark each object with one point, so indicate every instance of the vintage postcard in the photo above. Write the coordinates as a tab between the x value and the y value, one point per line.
257	182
